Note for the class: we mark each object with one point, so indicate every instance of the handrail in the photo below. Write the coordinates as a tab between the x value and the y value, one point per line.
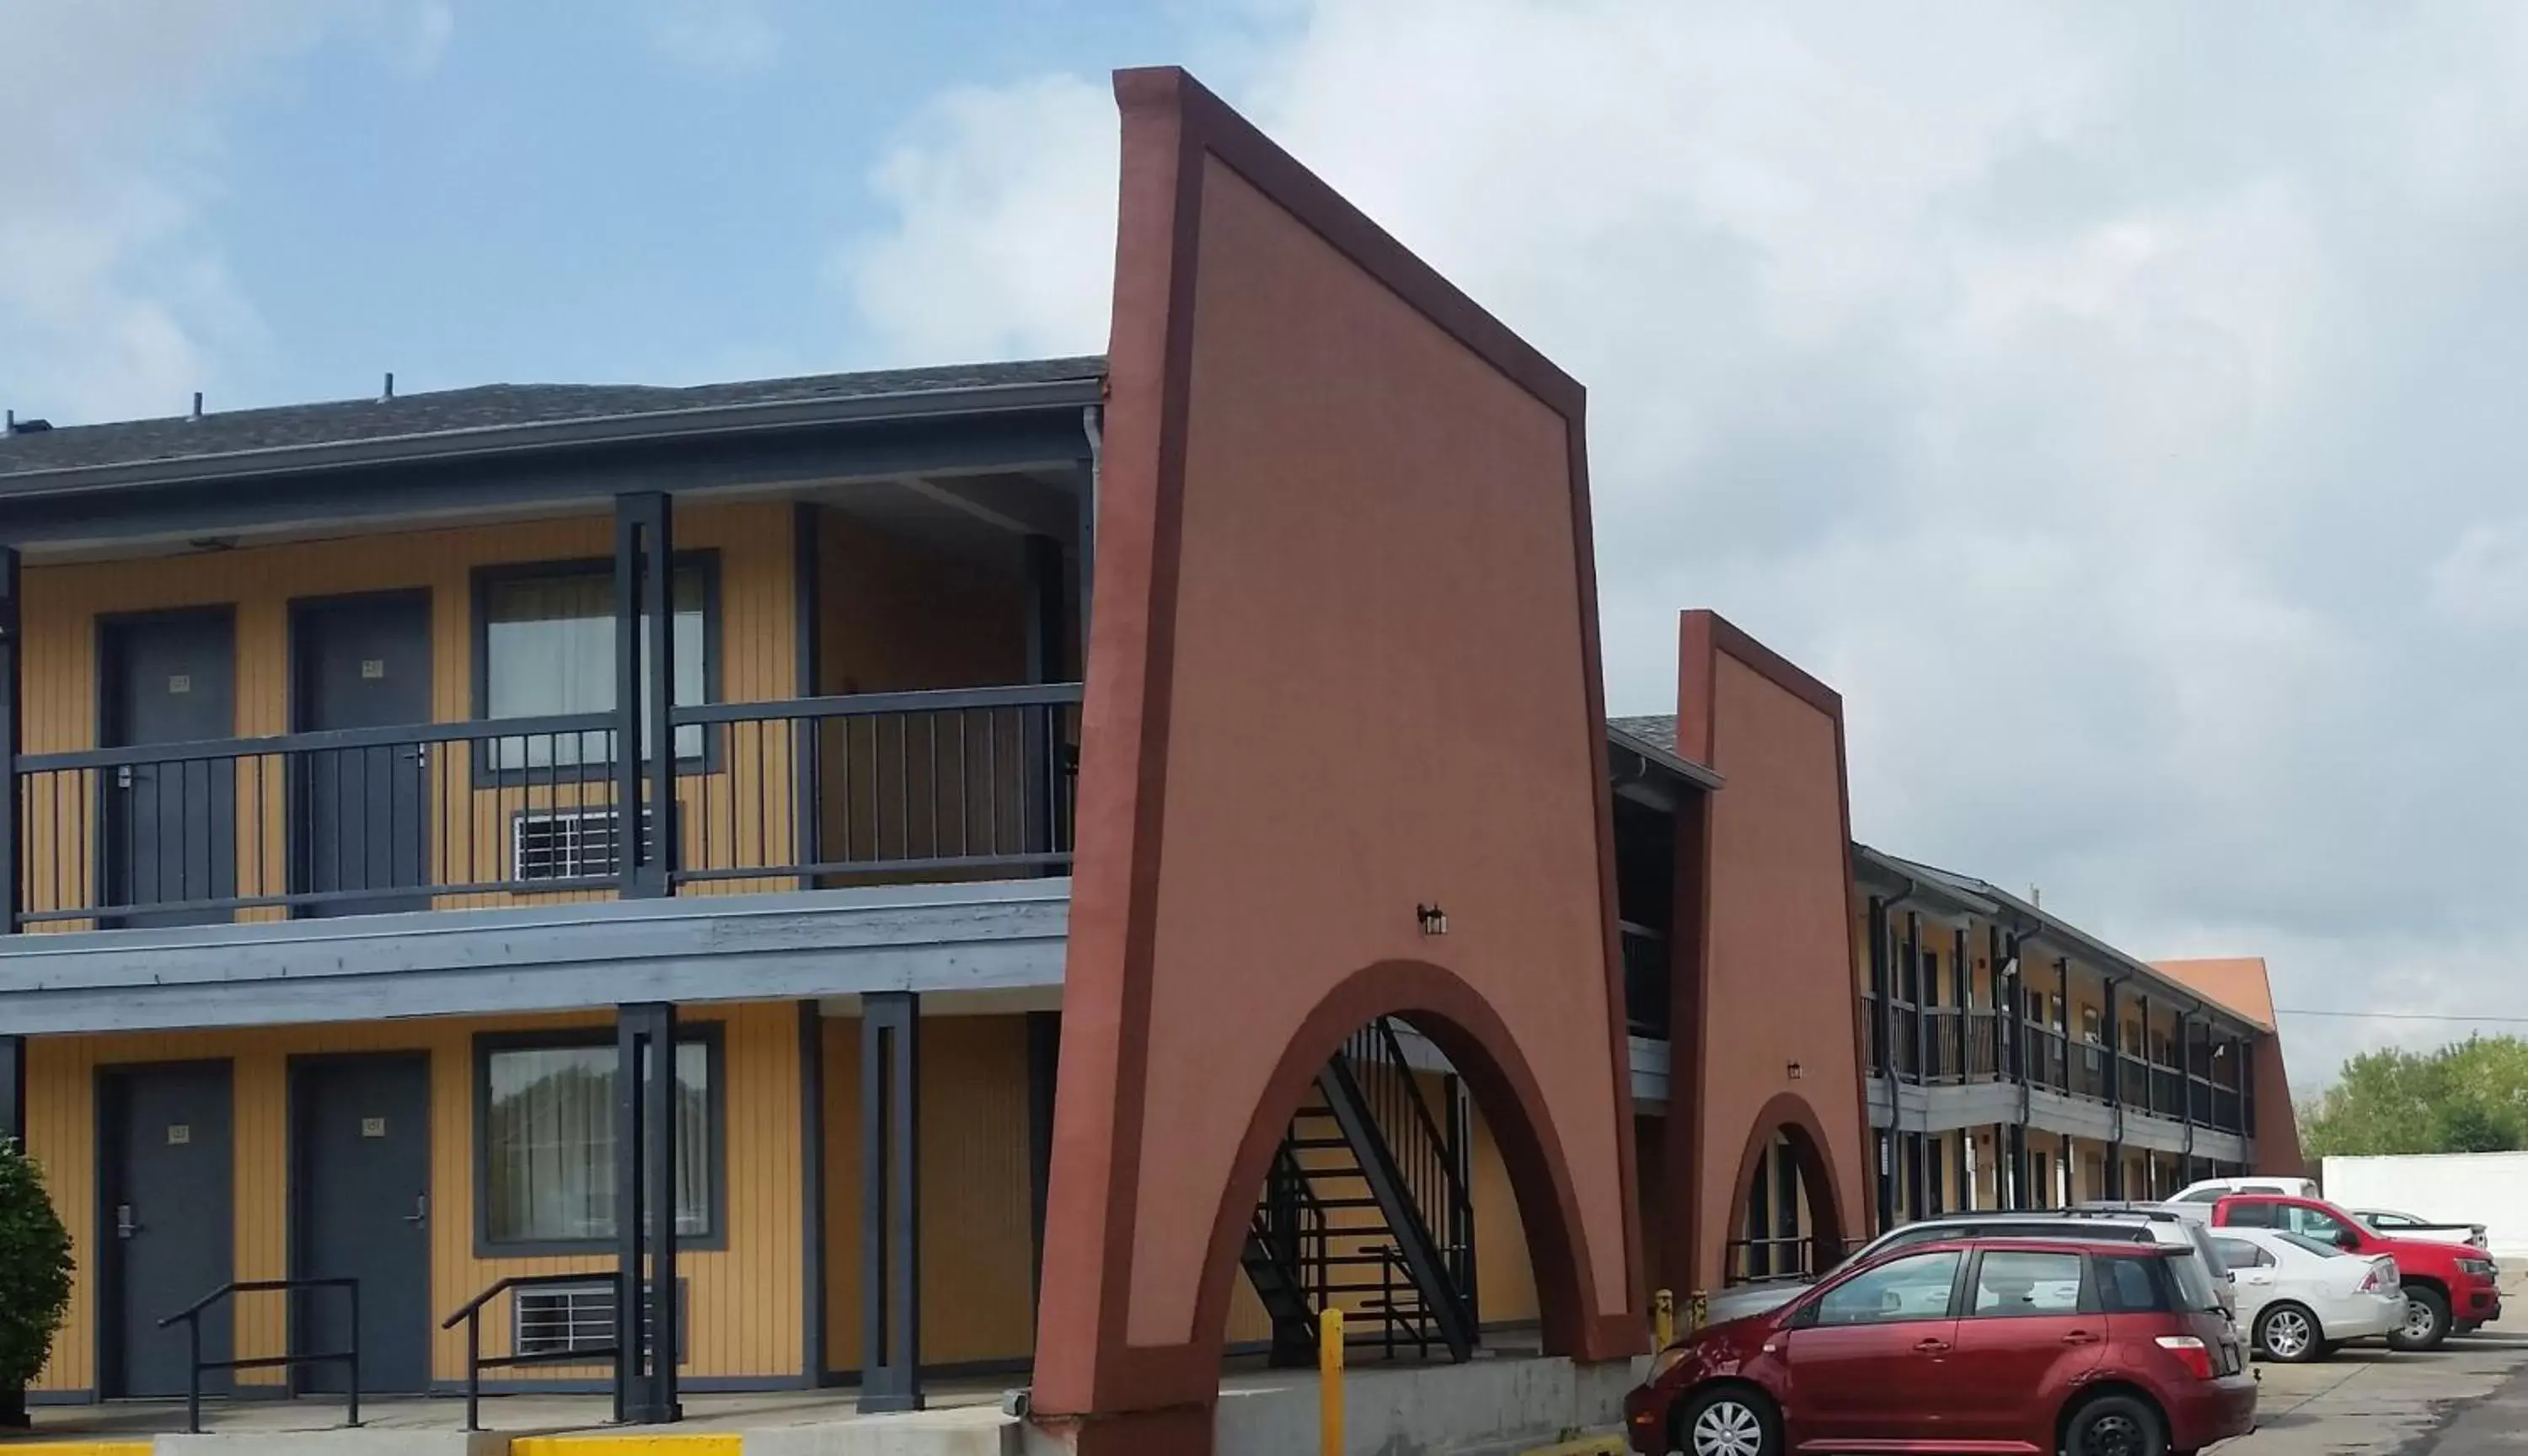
400	735
191	1314
470	1315
856	704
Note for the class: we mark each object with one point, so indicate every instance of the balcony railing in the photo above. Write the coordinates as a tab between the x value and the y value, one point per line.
1646	980
804	793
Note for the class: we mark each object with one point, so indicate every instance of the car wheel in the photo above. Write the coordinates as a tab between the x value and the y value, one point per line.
2116	1425
1729	1421
2427	1319
2288	1334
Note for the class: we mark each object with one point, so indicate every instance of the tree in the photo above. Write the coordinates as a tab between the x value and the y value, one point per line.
2466	1097
34	1277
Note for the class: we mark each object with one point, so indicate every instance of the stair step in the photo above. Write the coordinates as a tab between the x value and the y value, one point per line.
1314	1144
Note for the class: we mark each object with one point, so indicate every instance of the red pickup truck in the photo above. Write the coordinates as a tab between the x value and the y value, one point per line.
2447	1286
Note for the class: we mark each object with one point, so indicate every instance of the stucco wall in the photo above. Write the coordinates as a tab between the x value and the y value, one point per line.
1343	666
1776	950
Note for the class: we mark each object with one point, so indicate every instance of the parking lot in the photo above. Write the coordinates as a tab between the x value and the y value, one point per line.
2468	1397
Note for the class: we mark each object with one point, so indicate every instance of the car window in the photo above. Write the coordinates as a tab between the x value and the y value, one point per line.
2201	1195
2244	1213
2194	1289
2316	1223
2318	1247
2380	1219
2129	1286
2013	1282
1917	1286
2240	1253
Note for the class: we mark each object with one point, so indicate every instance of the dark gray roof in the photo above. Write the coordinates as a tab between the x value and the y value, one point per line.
1659	731
481	407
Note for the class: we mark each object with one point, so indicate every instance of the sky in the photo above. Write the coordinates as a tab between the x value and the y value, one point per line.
2117	403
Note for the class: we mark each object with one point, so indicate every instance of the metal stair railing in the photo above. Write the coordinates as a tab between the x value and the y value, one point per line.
191	1314
1413	1171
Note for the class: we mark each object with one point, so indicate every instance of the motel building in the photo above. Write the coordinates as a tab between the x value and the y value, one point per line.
1036	876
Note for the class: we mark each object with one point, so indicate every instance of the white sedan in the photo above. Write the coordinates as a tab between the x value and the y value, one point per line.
2299	1298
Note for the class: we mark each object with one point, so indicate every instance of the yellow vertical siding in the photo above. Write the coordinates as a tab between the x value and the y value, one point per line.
745	1300
756	655
977	1234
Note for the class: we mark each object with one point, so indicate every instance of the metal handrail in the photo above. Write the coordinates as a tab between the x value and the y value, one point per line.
401	735
191	1314
470	1315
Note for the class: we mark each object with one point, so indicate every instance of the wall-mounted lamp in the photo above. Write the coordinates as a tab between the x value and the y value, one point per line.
1435	921
1795	1071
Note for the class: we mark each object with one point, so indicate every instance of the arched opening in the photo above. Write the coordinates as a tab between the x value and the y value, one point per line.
1398	1168
1787	1221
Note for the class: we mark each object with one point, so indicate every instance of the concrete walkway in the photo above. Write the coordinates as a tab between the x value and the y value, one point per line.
2369	1402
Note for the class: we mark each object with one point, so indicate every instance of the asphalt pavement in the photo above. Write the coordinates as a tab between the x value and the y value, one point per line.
2467	1399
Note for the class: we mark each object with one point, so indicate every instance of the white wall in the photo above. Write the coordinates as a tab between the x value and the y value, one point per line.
2487	1188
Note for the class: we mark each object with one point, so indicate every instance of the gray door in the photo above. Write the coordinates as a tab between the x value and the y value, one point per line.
165	1170
362	662
170	829
360	1154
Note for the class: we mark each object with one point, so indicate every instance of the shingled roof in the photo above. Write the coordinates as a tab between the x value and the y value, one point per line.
44	454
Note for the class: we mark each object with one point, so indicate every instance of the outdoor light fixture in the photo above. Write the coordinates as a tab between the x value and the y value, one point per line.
1795	1071
1435	921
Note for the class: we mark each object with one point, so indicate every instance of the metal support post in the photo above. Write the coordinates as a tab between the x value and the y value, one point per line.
890	1212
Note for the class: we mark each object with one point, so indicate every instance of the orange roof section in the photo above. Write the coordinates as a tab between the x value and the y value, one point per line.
2238	982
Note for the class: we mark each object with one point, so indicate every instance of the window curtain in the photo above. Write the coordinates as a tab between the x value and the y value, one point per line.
550	1143
548	650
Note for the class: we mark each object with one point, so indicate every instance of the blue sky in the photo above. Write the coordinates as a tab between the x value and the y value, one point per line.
588	189
2116	402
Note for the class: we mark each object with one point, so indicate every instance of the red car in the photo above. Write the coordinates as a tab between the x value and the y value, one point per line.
2447	1286
1986	1345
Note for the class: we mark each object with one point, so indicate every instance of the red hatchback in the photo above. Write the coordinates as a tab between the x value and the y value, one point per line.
1977	1345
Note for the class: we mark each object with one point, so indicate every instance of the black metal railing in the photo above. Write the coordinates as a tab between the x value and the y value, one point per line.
1646	980
1431	1151
965	783
968	781
470	1315
1904	1028
192	1317
1783	1257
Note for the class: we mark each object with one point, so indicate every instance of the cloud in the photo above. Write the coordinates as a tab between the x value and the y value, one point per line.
2114	403
729	37
114	298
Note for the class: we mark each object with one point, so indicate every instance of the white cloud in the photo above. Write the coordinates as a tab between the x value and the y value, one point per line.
731	36
2094	396
114	299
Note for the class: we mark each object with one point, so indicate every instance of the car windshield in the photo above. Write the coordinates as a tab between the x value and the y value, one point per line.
2194	1283
2319	1247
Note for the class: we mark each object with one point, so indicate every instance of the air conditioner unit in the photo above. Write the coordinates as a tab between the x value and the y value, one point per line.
556	1319
570	844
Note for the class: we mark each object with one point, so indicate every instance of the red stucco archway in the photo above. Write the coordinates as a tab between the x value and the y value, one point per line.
1477	1043
1789	1117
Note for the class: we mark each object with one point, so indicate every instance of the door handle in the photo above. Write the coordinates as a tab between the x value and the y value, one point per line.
2079	1337
1931	1346
125	1226
420	1215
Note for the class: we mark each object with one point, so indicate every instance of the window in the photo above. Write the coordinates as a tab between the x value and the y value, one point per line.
546	1140
2009	1282
2204	1195
2316	1223
2238	1253
543	644
2194	1289
2304	1242
2126	1286
2244	1213
1915	1287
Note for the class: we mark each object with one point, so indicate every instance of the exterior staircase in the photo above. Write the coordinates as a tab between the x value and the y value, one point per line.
1368	1205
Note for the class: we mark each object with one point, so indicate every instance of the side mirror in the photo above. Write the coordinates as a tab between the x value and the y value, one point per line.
2347	1240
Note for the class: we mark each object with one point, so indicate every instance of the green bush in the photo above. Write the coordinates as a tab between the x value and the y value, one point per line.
34	1267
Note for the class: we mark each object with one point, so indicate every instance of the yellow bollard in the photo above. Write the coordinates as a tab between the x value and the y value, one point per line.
1663	1320
1700	1311
1330	1370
